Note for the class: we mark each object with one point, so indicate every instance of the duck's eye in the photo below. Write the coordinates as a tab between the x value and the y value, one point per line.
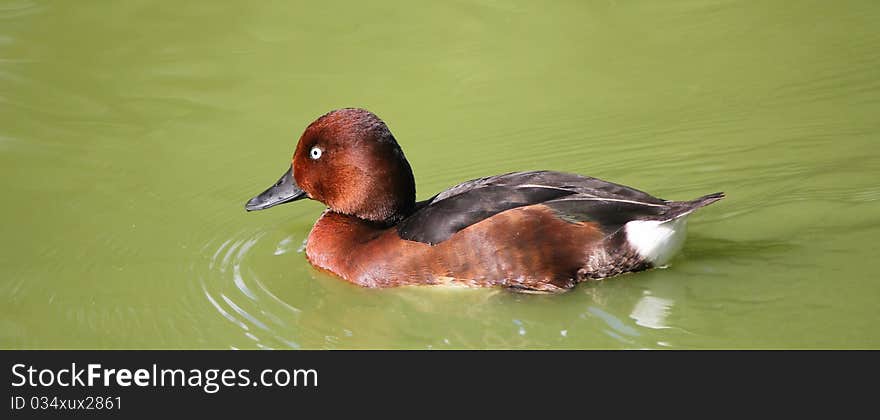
316	152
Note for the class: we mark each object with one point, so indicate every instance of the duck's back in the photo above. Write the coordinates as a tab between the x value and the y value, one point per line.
546	230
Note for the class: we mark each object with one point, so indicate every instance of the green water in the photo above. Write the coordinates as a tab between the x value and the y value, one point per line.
132	133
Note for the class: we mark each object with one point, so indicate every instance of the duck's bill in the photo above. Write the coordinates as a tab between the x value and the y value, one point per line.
284	191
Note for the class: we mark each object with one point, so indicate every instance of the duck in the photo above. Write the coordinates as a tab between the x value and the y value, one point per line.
531	232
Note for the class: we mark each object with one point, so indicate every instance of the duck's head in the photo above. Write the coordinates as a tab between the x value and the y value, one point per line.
348	160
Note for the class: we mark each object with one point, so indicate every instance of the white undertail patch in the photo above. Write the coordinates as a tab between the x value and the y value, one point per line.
655	240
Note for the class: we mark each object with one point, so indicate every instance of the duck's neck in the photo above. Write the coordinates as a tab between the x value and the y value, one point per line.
390	196
379	215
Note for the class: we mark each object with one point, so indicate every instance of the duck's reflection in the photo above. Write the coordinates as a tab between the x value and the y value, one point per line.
652	311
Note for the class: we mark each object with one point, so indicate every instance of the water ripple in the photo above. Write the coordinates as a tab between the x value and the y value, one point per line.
235	291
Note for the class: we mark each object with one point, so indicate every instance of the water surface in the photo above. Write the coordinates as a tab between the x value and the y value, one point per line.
131	134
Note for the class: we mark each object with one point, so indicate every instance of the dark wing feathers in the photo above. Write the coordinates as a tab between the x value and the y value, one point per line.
436	220
574	183
574	198
609	214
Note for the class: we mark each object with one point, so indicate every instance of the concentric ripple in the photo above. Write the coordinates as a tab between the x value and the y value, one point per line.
232	286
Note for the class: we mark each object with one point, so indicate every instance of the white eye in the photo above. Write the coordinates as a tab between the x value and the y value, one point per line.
316	152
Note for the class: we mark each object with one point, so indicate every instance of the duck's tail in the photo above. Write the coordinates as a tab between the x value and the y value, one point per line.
659	239
684	208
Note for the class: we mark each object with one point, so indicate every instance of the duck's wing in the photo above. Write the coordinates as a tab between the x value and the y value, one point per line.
572	197
573	183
